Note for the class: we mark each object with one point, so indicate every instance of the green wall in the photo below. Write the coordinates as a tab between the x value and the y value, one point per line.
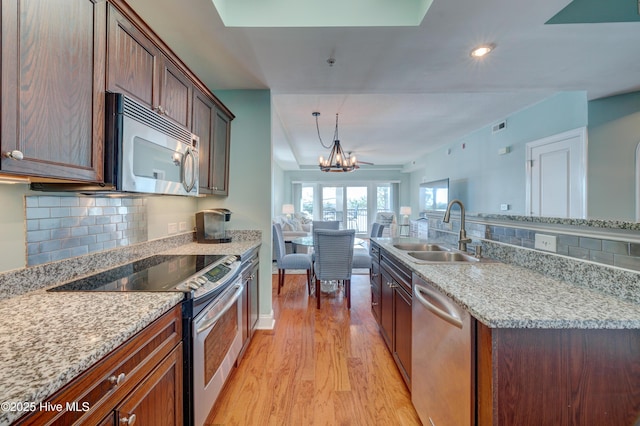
484	179
250	175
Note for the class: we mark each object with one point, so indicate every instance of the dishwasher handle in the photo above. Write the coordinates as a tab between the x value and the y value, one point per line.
450	315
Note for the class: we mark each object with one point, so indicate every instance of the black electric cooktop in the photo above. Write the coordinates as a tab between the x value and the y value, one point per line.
155	273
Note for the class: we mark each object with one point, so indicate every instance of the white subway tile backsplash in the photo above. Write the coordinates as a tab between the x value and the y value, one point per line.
63	227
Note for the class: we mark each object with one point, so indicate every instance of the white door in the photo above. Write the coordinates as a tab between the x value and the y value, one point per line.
556	175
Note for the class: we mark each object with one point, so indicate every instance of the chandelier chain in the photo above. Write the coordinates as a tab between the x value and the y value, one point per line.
318	129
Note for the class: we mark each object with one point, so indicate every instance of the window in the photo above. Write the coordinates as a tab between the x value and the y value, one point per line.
383	198
355	206
306	199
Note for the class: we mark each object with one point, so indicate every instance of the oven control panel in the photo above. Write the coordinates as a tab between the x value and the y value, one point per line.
213	276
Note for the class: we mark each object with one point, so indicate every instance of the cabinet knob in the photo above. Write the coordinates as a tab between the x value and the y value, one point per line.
159	109
374	303
374	275
128	420
117	380
15	154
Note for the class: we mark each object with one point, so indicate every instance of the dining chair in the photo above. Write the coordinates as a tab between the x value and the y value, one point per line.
286	261
323	224
326	224
334	257
362	255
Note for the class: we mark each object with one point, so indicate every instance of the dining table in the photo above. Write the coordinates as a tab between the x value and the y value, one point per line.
307	241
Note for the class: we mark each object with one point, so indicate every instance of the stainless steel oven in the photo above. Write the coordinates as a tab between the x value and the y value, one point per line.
211	315
217	341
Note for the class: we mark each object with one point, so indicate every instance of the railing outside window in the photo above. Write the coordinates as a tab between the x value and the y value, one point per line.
356	218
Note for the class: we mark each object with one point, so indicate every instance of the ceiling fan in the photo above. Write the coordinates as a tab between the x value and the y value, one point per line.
360	161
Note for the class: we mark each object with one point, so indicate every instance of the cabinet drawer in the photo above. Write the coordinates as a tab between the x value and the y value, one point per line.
107	382
400	273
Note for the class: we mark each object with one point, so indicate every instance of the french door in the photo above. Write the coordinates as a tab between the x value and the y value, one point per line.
347	204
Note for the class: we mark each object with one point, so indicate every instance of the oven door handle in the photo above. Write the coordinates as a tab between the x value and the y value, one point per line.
208	323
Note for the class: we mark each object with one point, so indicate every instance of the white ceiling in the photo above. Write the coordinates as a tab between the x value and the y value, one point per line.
401	92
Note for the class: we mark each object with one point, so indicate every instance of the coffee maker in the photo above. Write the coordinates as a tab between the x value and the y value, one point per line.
211	226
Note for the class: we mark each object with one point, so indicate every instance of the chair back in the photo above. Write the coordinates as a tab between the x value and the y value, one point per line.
375	228
389	220
326	224
380	230
278	243
334	253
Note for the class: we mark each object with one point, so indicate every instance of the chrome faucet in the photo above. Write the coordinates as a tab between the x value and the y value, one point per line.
463	240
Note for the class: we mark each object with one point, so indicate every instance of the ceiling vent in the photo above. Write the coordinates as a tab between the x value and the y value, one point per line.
499	126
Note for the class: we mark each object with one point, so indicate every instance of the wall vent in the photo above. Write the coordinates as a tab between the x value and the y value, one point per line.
499	126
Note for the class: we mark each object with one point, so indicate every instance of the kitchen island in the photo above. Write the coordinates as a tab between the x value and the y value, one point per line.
539	350
49	338
506	296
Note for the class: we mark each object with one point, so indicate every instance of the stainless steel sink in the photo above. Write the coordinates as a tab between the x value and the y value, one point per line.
442	256
420	247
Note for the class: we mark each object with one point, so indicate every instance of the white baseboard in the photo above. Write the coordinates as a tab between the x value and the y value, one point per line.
266	322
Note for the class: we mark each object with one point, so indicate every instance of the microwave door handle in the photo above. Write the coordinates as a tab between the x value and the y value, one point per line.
188	186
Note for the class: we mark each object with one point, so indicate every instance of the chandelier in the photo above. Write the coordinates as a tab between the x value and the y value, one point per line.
337	161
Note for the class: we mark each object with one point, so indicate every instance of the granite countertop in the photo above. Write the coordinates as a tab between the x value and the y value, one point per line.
238	248
506	296
49	338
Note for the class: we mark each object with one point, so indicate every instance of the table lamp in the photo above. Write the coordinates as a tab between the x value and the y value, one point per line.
288	210
405	211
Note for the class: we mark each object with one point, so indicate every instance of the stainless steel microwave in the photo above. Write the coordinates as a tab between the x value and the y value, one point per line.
144	153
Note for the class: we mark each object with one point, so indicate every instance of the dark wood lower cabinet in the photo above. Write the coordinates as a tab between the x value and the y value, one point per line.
558	377
395	313
157	400
143	376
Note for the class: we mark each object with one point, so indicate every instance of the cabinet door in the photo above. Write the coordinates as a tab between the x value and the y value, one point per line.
254	286
222	138
203	126
375	291
133	61
175	94
158	399
53	66
386	310
402	333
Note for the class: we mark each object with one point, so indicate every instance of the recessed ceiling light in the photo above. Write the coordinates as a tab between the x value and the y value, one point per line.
483	50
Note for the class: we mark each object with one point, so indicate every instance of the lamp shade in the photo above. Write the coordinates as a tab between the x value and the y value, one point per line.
405	211
288	209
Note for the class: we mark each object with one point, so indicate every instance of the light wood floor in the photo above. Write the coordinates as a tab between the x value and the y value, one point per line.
317	367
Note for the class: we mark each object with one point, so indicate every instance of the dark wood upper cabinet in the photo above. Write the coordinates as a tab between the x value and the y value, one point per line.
221	144
138	68
175	94
53	73
133	61
213	126
203	126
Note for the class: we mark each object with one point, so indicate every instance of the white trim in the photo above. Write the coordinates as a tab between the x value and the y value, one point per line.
580	132
266	322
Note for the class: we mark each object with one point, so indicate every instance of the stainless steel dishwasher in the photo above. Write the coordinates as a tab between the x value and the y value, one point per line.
442	389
